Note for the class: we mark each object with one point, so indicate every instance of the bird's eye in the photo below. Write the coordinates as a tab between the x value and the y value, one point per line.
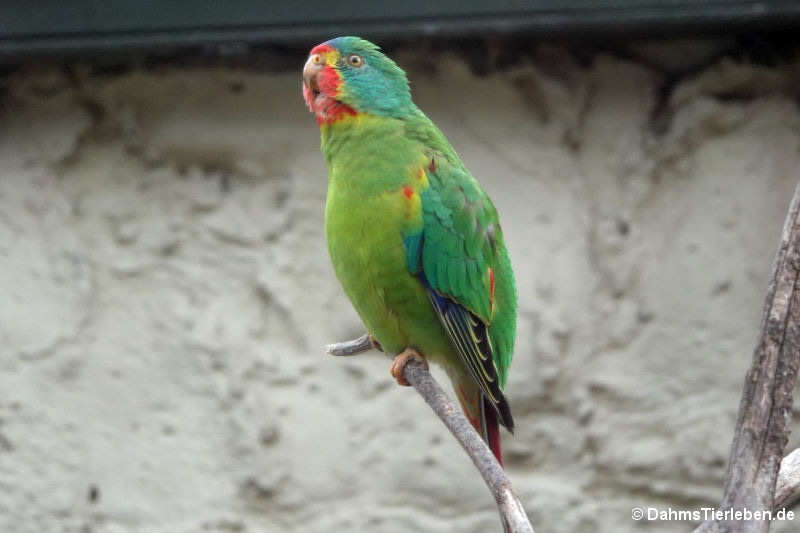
354	60
316	59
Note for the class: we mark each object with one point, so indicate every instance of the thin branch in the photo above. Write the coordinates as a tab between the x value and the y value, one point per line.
353	347
512	513
761	430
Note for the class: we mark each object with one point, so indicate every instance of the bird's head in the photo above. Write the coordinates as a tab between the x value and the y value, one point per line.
348	75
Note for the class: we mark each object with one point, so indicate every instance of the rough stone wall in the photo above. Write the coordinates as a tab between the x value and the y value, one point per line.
167	296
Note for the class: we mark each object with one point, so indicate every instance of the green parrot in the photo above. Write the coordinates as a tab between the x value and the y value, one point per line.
414	240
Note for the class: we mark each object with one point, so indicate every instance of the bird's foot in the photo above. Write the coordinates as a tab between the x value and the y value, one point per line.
375	344
400	362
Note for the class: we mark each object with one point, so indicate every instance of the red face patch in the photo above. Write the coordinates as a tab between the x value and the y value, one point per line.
329	81
320	95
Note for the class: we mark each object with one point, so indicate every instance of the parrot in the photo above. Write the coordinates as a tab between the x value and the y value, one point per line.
414	240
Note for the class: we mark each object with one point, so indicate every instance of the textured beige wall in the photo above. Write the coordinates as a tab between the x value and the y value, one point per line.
167	294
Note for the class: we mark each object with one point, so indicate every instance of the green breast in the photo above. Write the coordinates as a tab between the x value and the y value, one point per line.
365	218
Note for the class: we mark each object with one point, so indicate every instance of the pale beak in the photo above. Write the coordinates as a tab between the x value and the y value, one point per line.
312	67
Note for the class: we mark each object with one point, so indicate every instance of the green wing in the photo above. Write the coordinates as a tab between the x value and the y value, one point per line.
458	254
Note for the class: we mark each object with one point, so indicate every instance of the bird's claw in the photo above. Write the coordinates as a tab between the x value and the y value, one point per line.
399	365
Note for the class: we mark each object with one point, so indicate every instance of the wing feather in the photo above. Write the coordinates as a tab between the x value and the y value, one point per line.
453	256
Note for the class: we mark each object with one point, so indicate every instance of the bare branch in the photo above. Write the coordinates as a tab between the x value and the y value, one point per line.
512	513
761	430
354	347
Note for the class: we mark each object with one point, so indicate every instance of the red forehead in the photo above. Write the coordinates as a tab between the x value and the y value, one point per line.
321	49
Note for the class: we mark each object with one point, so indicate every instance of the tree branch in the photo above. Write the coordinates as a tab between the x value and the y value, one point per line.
353	347
511	511
761	430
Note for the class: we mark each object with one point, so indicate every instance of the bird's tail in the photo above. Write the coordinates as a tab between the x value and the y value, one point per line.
480	413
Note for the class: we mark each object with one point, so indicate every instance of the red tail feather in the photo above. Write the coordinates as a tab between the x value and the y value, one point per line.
481	414
492	430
